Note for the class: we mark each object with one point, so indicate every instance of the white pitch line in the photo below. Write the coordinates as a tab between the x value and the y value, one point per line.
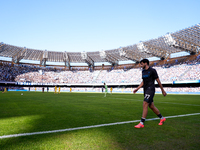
88	127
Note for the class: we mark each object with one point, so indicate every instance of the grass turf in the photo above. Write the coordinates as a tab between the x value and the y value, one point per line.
35	111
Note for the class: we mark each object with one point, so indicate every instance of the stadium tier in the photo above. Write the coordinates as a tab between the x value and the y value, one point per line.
175	69
173	72
184	40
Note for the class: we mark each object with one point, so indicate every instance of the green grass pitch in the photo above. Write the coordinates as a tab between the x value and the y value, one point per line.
35	111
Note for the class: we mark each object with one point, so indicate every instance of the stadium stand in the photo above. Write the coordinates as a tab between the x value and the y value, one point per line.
184	69
184	40
169	69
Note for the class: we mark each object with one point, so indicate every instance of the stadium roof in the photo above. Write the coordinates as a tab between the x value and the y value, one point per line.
184	40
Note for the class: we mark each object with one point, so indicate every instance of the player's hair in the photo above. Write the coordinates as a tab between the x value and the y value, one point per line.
145	61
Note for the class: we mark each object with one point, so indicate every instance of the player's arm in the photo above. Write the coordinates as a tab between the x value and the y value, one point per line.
141	84
161	87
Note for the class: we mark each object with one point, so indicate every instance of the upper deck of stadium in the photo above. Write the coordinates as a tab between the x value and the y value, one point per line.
183	40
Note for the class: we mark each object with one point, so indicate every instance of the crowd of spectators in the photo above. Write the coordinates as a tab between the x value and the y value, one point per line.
175	73
36	74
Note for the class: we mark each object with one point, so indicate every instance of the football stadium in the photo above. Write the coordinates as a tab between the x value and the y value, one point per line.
63	106
100	75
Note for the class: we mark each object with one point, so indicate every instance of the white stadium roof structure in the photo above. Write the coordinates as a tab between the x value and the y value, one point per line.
184	40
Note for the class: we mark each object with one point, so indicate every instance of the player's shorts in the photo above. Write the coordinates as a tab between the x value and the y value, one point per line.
148	96
106	90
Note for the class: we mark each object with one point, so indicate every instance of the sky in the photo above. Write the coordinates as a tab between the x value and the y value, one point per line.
92	25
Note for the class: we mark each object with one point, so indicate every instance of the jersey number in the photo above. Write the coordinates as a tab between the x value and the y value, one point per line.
147	96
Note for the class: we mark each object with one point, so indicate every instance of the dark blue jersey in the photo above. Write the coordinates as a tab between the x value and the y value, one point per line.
149	77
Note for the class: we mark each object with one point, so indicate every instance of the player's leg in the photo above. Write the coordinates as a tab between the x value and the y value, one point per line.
105	92
144	115
157	112
148	99
154	109
145	109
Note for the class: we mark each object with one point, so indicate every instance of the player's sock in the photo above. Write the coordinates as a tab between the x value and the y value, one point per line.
142	121
160	116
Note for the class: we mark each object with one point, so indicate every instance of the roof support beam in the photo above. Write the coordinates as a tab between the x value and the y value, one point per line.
44	58
127	54
108	58
186	44
66	59
87	59
157	51
19	56
111	60
2	47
